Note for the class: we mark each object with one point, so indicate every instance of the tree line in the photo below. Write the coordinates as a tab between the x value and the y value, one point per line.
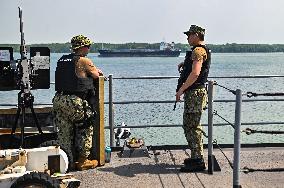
216	48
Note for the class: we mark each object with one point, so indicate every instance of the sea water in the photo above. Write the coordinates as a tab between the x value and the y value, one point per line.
230	64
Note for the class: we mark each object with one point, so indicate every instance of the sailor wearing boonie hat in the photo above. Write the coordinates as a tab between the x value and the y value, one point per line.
195	29
73	103
80	41
195	69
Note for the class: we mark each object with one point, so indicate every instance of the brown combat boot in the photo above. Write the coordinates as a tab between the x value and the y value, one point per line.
85	164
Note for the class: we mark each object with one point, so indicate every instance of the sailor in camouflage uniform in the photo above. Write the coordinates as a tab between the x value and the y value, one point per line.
197	64
73	104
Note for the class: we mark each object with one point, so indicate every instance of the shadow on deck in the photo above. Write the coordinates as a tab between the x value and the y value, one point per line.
162	170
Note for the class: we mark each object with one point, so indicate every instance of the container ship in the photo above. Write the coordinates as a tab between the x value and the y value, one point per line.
166	50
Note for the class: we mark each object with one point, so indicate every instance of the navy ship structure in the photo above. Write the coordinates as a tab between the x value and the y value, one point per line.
166	50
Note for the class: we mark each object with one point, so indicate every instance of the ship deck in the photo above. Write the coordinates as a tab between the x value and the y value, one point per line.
161	169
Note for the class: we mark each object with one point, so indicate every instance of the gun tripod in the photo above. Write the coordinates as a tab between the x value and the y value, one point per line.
25	100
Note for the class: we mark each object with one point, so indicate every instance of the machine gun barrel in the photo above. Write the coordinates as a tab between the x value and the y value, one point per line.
24	63
23	50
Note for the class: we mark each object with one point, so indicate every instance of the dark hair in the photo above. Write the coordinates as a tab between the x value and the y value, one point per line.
200	36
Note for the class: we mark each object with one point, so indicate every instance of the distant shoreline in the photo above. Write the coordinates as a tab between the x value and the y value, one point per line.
216	48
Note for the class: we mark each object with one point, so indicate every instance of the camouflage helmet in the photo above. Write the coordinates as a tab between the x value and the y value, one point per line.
195	29
80	41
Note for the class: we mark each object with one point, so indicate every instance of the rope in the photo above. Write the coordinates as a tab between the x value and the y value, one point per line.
230	163
216	113
247	170
249	131
232	91
252	94
204	134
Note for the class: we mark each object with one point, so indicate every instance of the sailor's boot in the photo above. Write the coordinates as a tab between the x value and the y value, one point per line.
190	161
85	164
193	165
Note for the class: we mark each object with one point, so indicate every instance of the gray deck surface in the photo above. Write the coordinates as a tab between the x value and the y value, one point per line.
163	170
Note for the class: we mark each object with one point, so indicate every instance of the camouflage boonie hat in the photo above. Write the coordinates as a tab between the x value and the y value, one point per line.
80	41
195	29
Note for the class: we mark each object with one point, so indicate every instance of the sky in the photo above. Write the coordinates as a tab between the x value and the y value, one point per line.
151	21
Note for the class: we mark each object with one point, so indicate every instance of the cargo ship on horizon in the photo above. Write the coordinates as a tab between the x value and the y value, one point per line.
166	50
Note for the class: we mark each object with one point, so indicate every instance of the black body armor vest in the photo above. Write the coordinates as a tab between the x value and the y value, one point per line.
187	68
68	82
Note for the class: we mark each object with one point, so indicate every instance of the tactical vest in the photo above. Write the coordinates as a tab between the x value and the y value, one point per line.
187	68
66	79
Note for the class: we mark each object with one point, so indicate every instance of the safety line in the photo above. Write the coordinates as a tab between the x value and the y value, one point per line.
247	170
215	113
230	163
249	131
232	91
252	94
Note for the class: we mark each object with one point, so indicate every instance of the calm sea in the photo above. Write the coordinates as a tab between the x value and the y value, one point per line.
157	114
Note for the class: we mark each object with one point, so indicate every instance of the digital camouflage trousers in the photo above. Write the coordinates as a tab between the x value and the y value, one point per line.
74	134
194	104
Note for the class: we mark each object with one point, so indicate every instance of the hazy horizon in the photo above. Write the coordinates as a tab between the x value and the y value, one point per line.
147	21
139	43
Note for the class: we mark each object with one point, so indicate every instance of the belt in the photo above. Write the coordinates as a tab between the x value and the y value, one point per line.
196	86
82	95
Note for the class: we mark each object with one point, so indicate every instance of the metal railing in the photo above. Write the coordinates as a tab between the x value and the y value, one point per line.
111	102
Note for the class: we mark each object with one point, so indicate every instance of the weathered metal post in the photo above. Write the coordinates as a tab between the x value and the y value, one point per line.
99	129
210	127
237	142
111	120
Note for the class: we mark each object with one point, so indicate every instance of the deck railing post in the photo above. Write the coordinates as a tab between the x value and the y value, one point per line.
110	115
99	131
237	142
210	127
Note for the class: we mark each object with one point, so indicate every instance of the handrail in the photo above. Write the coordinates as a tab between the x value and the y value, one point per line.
158	101
172	101
204	125
111	102
210	77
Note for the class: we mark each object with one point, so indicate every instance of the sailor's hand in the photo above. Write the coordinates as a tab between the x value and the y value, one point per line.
178	95
100	72
180	66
